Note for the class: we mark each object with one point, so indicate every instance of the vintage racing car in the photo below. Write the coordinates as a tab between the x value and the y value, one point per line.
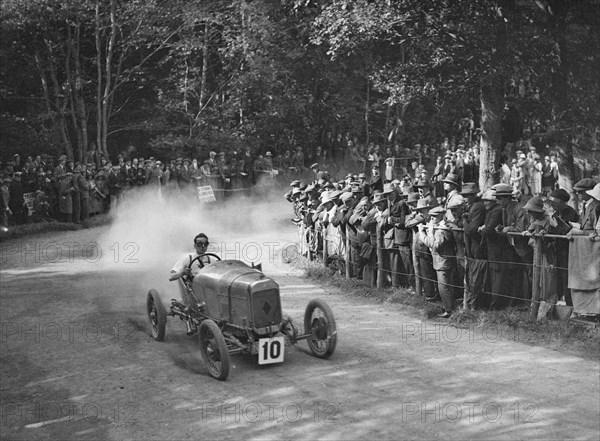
235	309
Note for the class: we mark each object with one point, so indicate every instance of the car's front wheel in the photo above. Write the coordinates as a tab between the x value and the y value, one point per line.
320	323
157	315
214	350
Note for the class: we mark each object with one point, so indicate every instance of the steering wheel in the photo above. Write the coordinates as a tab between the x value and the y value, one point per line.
200	263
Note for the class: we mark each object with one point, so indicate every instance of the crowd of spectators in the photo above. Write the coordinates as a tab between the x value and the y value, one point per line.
438	235
59	189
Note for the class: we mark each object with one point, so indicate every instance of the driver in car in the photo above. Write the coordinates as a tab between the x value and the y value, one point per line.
181	268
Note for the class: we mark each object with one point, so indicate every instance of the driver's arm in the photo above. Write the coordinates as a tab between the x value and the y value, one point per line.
179	270
177	275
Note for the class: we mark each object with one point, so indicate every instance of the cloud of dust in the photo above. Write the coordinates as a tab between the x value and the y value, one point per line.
151	231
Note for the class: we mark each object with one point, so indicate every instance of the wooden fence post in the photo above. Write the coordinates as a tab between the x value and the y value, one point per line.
325	246
380	272
348	255
537	272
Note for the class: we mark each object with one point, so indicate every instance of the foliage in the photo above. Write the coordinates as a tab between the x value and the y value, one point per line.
185	77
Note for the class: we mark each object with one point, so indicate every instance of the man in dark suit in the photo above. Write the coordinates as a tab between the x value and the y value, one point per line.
590	207
398	238
376	183
500	252
113	185
476	268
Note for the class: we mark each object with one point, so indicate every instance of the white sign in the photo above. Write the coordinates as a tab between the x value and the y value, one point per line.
29	197
270	350
206	194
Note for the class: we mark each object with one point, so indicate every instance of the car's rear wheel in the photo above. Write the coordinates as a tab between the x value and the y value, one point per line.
214	350
157	315
320	323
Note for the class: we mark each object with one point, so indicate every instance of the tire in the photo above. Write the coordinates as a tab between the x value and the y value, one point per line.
214	350
320	323
157	316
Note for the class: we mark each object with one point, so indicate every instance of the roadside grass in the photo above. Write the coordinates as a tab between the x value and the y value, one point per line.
513	323
40	228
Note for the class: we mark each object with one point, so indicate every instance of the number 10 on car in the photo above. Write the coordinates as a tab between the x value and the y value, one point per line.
270	350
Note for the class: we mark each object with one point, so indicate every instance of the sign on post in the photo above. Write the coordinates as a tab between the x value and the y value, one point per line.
206	194
29	197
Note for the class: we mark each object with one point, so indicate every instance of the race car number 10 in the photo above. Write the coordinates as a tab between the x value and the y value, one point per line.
270	350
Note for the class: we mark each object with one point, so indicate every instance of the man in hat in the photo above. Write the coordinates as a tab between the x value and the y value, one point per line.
185	175
362	182
438	237
5	211
340	220
113	185
457	208
61	168
589	207
356	234
451	188
375	241
65	200
397	238
83	195
376	183
500	253
476	265
425	276
424	188
16	200
319	174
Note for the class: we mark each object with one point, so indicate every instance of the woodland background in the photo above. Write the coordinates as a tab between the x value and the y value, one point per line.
180	77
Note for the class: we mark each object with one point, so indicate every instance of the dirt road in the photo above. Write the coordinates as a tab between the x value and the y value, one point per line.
77	361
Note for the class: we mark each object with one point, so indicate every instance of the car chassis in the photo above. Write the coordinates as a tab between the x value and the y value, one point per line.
236	309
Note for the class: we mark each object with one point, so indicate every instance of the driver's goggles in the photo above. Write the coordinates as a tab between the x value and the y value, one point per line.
201	244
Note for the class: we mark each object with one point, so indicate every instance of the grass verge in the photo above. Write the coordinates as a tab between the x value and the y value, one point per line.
512	323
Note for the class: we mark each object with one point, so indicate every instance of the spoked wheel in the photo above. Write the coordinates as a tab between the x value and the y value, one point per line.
319	322
157	316
214	350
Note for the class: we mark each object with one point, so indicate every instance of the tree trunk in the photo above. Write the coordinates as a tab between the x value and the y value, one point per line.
60	104
204	72
108	73
492	98
367	111
492	106
79	100
557	20
71	92
98	85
